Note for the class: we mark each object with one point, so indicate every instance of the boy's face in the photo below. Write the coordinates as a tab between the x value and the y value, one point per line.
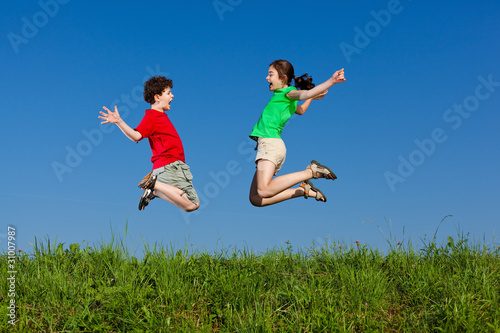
274	81
164	99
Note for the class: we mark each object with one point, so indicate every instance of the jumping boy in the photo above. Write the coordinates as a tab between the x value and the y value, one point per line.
171	179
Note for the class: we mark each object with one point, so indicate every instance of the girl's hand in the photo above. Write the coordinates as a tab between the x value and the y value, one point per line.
110	117
338	76
321	95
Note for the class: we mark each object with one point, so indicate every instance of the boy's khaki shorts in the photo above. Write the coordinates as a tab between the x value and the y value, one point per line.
273	150
177	174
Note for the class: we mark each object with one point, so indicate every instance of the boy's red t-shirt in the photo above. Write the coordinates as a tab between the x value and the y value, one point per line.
165	143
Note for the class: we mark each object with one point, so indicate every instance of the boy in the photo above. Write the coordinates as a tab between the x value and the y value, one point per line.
171	178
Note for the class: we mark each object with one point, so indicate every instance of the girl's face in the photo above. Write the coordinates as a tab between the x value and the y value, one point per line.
274	81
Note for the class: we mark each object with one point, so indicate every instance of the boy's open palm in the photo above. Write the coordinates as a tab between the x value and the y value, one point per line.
110	117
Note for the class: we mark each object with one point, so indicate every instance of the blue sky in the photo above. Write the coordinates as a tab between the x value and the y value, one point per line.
413	134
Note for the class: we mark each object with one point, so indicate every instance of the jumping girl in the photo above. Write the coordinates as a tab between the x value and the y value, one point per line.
271	152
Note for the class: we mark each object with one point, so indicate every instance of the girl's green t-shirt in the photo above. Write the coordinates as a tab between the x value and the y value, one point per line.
275	115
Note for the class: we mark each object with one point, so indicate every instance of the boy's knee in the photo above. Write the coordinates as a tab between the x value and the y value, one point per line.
192	208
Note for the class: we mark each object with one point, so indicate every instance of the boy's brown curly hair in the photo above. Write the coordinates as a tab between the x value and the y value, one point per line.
156	86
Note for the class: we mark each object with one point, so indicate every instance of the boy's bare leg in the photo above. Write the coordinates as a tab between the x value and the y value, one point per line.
175	196
268	187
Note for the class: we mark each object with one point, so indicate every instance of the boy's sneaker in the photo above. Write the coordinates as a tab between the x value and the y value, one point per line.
146	197
148	182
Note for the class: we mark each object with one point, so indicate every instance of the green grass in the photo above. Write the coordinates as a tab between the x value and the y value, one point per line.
453	287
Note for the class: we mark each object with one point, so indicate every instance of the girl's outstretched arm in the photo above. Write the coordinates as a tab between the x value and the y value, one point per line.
114	118
301	109
298	95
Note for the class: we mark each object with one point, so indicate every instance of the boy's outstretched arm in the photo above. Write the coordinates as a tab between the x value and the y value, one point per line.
114	118
298	95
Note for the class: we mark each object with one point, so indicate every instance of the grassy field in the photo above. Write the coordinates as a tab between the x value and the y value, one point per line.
452	287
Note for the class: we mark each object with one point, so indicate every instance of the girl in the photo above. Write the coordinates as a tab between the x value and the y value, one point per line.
271	152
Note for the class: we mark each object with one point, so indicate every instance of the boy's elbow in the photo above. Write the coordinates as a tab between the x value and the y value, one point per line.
137	136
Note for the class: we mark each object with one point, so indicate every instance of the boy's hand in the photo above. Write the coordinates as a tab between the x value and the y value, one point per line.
338	76
110	117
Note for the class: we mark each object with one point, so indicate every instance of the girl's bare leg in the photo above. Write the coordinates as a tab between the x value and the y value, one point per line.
272	191
175	196
268	187
259	201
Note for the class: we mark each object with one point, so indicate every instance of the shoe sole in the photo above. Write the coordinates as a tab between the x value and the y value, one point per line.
148	183
144	199
331	176
315	190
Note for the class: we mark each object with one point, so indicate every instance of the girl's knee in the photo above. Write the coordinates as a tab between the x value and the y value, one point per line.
256	200
264	193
